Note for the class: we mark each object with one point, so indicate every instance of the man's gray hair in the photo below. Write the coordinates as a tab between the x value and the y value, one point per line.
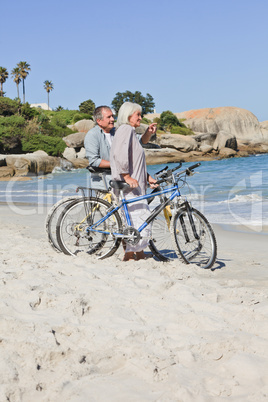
97	115
126	110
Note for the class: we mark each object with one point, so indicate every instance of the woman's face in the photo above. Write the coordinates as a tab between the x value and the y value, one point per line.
135	119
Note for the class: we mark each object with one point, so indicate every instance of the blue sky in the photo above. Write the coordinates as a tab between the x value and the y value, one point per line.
186	54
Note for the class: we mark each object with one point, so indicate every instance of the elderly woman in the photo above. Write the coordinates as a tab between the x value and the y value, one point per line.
127	160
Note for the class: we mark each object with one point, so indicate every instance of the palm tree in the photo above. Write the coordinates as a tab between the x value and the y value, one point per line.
3	78
17	78
48	87
24	71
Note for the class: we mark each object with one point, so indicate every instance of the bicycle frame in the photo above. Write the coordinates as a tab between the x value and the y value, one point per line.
124	203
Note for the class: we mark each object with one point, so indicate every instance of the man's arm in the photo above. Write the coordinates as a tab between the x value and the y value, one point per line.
92	146
148	133
104	164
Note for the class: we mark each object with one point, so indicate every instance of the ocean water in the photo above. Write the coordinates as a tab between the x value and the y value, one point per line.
229	191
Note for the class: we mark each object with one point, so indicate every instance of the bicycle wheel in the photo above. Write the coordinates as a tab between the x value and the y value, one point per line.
202	250
161	244
52	218
72	228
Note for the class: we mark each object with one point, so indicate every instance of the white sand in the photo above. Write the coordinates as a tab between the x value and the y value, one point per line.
77	329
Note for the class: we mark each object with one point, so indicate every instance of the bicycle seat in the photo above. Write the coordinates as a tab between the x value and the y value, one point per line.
93	169
118	185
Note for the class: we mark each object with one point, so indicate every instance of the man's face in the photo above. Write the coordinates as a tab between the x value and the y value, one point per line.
107	123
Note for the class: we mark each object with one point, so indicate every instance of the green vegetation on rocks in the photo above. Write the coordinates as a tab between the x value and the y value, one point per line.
26	129
169	122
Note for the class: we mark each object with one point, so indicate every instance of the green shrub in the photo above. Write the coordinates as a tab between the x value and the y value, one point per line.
11	132
65	115
168	119
53	146
81	116
181	130
29	112
8	107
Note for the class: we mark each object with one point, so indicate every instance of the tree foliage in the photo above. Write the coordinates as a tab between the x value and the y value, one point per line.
16	78
87	107
8	107
48	85
24	69
146	102
169	121
51	145
21	125
11	132
3	78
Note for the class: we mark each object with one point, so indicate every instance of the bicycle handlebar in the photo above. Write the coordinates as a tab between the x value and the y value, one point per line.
189	169
169	172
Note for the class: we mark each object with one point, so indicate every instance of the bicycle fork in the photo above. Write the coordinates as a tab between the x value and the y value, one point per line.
190	216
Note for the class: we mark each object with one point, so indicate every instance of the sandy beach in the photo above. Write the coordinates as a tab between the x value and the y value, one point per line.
78	329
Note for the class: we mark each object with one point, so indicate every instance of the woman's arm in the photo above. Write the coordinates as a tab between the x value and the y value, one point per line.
129	180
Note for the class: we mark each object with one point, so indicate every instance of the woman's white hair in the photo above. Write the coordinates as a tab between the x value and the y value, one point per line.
126	110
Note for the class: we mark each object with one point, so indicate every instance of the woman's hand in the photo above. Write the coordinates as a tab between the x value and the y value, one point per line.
133	183
148	133
152	128
151	181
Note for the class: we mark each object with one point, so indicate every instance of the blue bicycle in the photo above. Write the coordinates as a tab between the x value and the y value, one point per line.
95	226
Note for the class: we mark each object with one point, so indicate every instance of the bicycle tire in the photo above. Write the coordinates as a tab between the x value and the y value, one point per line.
202	251
52	218
161	244
72	235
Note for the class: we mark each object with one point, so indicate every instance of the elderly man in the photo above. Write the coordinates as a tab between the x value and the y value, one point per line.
98	140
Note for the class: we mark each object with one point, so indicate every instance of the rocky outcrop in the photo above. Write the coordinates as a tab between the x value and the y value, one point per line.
165	155
236	121
225	140
38	163
82	126
179	142
264	129
75	140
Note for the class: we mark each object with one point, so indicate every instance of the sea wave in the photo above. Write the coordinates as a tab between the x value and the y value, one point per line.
253	197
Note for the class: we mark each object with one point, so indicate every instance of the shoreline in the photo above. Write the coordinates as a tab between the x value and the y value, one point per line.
261	229
154	160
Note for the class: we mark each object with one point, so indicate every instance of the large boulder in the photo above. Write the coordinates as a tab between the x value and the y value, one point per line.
179	142
82	126
164	155
79	163
69	153
81	154
239	122
36	163
264	130
205	139
75	140
225	140
6	172
227	152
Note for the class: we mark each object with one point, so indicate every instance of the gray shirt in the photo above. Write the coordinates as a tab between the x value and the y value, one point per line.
97	146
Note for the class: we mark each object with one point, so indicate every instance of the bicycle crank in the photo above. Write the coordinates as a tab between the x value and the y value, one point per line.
131	235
